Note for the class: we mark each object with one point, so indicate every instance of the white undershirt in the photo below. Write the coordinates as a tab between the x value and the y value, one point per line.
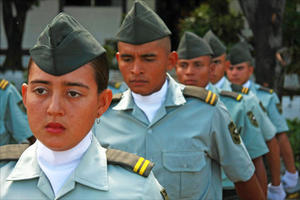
58	165
151	103
247	84
219	83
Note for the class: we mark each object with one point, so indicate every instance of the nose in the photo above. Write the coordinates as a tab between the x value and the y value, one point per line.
55	107
137	68
189	70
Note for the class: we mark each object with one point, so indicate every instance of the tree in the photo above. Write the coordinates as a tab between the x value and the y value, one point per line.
214	15
265	20
14	18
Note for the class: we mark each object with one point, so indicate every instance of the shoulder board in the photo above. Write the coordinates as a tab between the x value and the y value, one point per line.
117	97
12	151
239	88
233	95
130	161
3	84
116	85
204	95
266	89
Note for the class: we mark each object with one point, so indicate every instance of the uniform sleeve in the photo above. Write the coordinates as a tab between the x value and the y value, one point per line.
274	109
253	137
153	190
228	149
16	118
267	128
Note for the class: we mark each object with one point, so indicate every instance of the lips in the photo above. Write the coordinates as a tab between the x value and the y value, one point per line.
54	127
190	82
138	82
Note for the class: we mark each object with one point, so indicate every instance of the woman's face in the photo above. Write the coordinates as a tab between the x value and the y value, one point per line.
62	109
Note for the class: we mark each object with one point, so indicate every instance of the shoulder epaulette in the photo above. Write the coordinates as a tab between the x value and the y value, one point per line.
11	152
117	97
3	84
239	88
204	95
130	161
233	95
116	85
266	89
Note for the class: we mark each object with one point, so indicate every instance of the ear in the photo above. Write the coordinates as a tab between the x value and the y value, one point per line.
172	60
212	66
227	65
118	56
24	93
104	100
251	69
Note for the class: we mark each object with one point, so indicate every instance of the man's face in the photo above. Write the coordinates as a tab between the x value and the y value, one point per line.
221	65
239	73
144	66
62	109
194	71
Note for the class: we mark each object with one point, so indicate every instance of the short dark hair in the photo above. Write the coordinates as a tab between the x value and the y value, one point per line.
100	66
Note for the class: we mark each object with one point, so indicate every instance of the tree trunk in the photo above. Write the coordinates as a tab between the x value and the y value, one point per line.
14	28
265	19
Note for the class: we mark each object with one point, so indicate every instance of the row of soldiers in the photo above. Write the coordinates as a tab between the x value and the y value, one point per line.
205	133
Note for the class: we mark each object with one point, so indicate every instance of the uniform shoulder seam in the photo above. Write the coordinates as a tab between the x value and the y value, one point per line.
239	88
265	89
234	95
11	152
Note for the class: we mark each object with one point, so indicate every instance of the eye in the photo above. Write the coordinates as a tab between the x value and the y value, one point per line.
217	62
183	65
126	59
73	94
197	64
40	91
149	59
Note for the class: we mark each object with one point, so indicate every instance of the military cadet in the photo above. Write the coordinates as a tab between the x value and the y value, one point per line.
239	73
219	80
66	92
14	126
193	68
186	131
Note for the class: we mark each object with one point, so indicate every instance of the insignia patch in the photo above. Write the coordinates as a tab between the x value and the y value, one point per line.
262	106
235	134
279	107
252	118
21	106
164	194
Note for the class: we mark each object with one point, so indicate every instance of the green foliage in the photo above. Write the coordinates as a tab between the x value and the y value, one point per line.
294	137
111	50
214	15
291	32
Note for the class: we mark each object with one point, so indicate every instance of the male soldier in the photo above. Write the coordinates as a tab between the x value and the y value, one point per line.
193	68
166	122
14	126
239	73
66	91
219	80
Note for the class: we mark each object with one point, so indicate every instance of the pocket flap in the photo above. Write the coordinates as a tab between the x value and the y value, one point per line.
183	161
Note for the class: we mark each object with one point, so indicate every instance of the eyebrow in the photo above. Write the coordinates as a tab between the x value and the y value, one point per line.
76	84
148	55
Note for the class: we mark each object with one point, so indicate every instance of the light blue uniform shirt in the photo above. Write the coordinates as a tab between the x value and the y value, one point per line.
250	134
14	127
252	102
271	102
188	140
92	179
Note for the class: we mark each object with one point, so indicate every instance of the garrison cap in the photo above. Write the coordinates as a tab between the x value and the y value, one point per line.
192	46
142	25
64	46
215	43
240	53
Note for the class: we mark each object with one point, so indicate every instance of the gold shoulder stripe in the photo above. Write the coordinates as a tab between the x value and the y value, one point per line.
239	88
129	161
200	93
117	97
3	84
12	151
266	89
233	95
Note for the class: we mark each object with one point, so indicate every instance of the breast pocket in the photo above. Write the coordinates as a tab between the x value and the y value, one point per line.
188	168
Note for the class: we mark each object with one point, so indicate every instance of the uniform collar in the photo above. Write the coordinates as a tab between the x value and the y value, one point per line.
174	96
226	85
247	84
86	173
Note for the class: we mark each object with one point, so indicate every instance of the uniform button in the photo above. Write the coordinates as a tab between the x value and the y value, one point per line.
149	131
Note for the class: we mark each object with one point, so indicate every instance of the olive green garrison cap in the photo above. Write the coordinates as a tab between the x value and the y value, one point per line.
64	46
240	53
215	43
142	25
192	46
